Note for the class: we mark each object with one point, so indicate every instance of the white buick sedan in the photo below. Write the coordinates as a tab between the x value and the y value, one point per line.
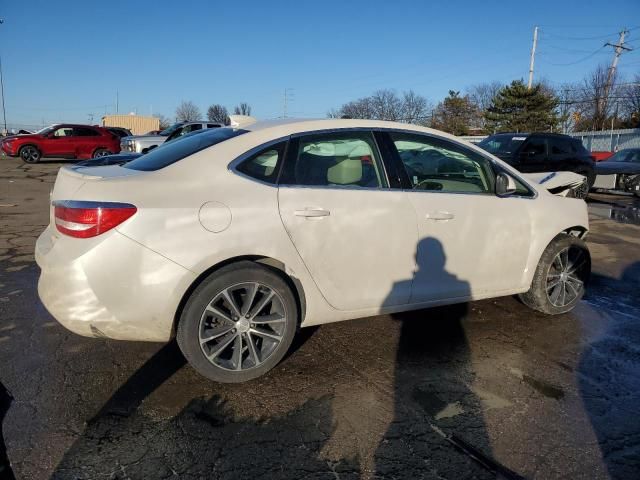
235	238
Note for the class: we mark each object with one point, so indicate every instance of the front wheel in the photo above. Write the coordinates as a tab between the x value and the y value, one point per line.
239	323
560	277
30	154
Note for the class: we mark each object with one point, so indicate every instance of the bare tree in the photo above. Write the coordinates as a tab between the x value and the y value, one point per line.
187	111
218	113
630	102
482	94
415	108
164	121
592	103
386	105
243	109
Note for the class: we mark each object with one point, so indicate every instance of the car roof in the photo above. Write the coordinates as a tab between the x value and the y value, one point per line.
289	126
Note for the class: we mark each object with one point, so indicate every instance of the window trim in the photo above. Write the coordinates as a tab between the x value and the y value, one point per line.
233	165
293	147
496	167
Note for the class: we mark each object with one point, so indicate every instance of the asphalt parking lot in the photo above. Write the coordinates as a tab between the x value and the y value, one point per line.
372	398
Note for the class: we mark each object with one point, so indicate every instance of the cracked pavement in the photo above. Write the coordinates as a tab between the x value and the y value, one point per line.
547	397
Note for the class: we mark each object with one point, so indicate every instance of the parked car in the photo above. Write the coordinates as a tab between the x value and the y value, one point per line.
543	152
236	237
144	143
62	141
120	131
122	158
600	155
620	172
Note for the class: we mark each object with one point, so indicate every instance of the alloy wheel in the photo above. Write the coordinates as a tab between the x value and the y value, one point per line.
242	326
101	153
30	154
566	276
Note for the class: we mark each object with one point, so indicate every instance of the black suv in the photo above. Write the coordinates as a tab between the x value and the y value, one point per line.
541	152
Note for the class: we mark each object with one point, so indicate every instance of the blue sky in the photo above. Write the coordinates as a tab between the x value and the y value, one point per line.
65	60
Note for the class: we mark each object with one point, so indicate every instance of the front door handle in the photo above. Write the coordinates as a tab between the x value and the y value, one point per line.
312	212
440	216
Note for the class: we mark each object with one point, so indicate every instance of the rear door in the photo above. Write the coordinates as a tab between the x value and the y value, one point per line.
86	141
356	236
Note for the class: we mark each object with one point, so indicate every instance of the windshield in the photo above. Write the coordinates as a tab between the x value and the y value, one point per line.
45	130
630	155
502	144
181	148
171	129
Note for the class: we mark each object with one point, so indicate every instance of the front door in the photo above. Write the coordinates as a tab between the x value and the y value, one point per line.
356	236
471	242
59	143
533	156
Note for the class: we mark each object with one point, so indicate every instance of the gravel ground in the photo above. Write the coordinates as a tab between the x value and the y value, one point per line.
371	398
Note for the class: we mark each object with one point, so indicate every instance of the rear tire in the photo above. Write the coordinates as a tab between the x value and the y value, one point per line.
238	323
101	152
560	277
30	154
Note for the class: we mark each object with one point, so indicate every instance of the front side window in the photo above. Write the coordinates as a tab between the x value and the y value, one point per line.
63	132
265	164
561	146
340	159
535	147
438	165
502	143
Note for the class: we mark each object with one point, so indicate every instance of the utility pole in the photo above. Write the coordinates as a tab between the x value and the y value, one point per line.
533	57
116	102
618	49
285	101
4	113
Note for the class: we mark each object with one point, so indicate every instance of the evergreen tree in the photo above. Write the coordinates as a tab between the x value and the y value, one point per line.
518	109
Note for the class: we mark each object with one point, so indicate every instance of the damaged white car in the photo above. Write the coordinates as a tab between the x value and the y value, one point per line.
235	238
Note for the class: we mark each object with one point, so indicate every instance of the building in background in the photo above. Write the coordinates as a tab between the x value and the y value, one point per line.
136	123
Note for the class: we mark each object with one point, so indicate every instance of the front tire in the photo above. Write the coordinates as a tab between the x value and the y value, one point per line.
560	277
238	323
30	154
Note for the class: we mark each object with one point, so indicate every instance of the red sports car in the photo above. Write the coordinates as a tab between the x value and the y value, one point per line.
63	141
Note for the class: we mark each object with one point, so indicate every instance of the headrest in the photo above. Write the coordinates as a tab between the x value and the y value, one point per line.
345	172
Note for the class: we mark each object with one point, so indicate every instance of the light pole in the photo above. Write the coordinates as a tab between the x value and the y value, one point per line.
4	113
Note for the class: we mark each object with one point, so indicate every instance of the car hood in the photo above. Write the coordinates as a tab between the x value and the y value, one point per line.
558	183
606	167
144	137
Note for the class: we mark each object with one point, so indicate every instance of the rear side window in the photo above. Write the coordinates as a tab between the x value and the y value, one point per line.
265	164
172	152
84	132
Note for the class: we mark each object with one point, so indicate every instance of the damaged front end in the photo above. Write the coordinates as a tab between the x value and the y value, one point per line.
563	184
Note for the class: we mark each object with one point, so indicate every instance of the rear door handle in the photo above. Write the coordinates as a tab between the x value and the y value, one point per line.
439	216
312	212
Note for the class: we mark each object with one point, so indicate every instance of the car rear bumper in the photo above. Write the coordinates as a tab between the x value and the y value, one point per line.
109	286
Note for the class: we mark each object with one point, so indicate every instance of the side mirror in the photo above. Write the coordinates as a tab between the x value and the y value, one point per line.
505	184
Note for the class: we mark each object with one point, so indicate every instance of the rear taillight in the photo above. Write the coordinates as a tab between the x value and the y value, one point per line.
83	219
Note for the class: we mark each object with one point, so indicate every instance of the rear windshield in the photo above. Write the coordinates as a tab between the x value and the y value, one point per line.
180	148
502	144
